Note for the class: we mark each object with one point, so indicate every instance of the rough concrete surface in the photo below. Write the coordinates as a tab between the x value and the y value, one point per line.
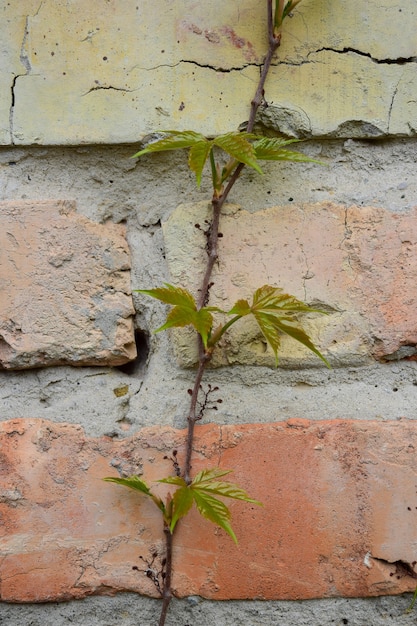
195	66
65	288
130	610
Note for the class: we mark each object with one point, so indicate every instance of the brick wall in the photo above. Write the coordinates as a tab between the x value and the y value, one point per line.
87	391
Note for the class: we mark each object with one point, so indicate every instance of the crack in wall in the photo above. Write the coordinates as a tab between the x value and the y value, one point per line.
387	61
225	70
24	59
218	68
402	568
394	94
108	88
214	68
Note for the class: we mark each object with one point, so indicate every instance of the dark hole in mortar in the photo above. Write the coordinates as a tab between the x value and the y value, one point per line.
142	347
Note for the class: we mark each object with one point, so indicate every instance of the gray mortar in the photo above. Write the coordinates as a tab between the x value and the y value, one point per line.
107	185
131	610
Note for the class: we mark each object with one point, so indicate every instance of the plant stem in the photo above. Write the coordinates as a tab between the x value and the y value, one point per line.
204	356
166	588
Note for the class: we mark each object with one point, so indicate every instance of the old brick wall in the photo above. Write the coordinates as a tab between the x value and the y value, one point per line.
86	389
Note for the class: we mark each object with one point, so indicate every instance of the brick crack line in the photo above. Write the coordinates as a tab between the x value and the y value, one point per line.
399	61
346	236
214	68
108	88
394	94
24	59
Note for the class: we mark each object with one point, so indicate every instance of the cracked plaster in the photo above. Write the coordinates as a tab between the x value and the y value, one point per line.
142	70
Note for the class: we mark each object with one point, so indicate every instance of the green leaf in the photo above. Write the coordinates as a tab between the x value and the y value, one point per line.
207	475
185	311
198	156
173	480
206	485
288	8
202	491
413	601
179	317
297	333
177	296
172	140
270	331
182	502
268	149
241	307
214	510
274	312
226	490
207	480
134	482
237	145
273	298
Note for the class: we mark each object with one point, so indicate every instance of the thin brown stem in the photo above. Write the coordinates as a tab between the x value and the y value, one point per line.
166	589
204	355
204	358
212	253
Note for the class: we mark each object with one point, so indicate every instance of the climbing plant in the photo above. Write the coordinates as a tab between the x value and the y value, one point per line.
275	312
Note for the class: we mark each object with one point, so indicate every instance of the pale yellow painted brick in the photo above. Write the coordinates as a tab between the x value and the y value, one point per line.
341	89
11	37
111	72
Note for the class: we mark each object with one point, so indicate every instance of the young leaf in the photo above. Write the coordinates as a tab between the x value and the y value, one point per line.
206	481
176	296
197	157
172	140
202	321
237	145
182	501
214	510
241	307
184	312
134	482
205	486
202	491
207	475
413	601
275	311
267	149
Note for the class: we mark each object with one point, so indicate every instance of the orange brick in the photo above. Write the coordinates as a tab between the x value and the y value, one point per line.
339	515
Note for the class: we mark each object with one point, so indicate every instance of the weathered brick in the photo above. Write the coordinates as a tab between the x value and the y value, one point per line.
357	263
65	288
361	81
339	513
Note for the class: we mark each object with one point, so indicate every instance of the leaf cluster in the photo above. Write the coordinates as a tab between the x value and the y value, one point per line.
204	491
275	313
241	147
